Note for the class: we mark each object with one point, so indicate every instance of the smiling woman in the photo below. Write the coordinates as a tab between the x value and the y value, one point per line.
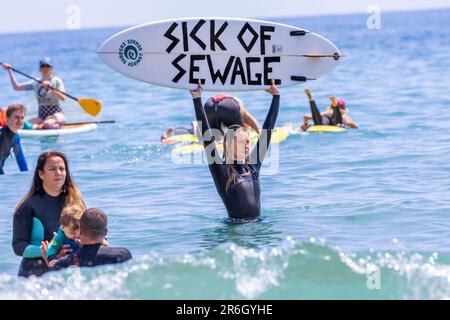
37	215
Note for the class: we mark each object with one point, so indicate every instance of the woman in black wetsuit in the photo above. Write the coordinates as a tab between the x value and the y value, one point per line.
37	215
236	175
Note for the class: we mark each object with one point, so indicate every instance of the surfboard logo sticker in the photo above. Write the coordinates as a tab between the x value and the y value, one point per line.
130	52
276	48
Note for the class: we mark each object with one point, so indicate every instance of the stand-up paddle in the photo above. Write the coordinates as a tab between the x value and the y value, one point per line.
91	106
89	122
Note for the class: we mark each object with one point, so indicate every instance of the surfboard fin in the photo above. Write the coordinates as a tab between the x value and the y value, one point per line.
298	33
300	78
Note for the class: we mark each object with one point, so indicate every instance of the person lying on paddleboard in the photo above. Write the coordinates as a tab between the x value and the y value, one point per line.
50	115
336	115
236	175
230	110
9	138
181	130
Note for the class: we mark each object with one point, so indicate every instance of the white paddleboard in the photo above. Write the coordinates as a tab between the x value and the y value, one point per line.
226	54
65	130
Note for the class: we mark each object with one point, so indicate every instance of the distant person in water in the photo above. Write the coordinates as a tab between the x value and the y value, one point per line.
336	115
50	114
181	130
92	232
9	138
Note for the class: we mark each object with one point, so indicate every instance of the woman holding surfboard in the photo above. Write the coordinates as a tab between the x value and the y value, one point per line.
50	115
336	115
236	175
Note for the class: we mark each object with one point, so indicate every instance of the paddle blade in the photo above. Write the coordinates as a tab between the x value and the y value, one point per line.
91	106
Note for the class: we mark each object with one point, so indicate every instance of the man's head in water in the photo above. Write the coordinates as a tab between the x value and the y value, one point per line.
15	117
236	145
93	226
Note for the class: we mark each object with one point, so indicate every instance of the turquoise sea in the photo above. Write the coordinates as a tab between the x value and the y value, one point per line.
364	214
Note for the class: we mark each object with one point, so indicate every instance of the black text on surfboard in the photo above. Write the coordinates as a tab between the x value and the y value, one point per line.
235	67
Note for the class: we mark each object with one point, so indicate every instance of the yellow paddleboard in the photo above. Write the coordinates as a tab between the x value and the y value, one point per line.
278	135
326	129
180	138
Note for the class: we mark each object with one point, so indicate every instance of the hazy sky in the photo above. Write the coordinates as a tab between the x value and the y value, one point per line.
37	15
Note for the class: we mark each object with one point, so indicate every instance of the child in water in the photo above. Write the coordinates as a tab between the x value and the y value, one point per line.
67	233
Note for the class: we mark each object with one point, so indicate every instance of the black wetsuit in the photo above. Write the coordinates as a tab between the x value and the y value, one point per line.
326	119
226	112
41	209
10	140
92	255
243	198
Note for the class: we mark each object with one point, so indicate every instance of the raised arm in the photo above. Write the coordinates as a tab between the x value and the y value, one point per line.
259	152
207	135
15	84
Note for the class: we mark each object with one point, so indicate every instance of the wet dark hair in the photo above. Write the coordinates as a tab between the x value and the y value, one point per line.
94	223
72	194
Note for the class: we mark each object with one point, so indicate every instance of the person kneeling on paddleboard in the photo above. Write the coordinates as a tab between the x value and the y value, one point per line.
236	175
9	138
50	115
336	115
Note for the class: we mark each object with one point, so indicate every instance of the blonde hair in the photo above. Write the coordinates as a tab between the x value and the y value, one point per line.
233	174
71	216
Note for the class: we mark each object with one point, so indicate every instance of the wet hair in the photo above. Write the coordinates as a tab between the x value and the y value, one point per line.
94	223
72	194
70	216
15	107
233	174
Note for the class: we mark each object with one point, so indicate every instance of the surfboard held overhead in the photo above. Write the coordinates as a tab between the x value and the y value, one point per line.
225	54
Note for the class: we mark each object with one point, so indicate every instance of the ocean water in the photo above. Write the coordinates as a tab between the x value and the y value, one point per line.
364	214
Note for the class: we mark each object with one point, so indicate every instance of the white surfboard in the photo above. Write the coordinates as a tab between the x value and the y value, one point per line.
65	130
226	54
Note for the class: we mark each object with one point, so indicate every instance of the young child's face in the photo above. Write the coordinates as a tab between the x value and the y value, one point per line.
72	232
